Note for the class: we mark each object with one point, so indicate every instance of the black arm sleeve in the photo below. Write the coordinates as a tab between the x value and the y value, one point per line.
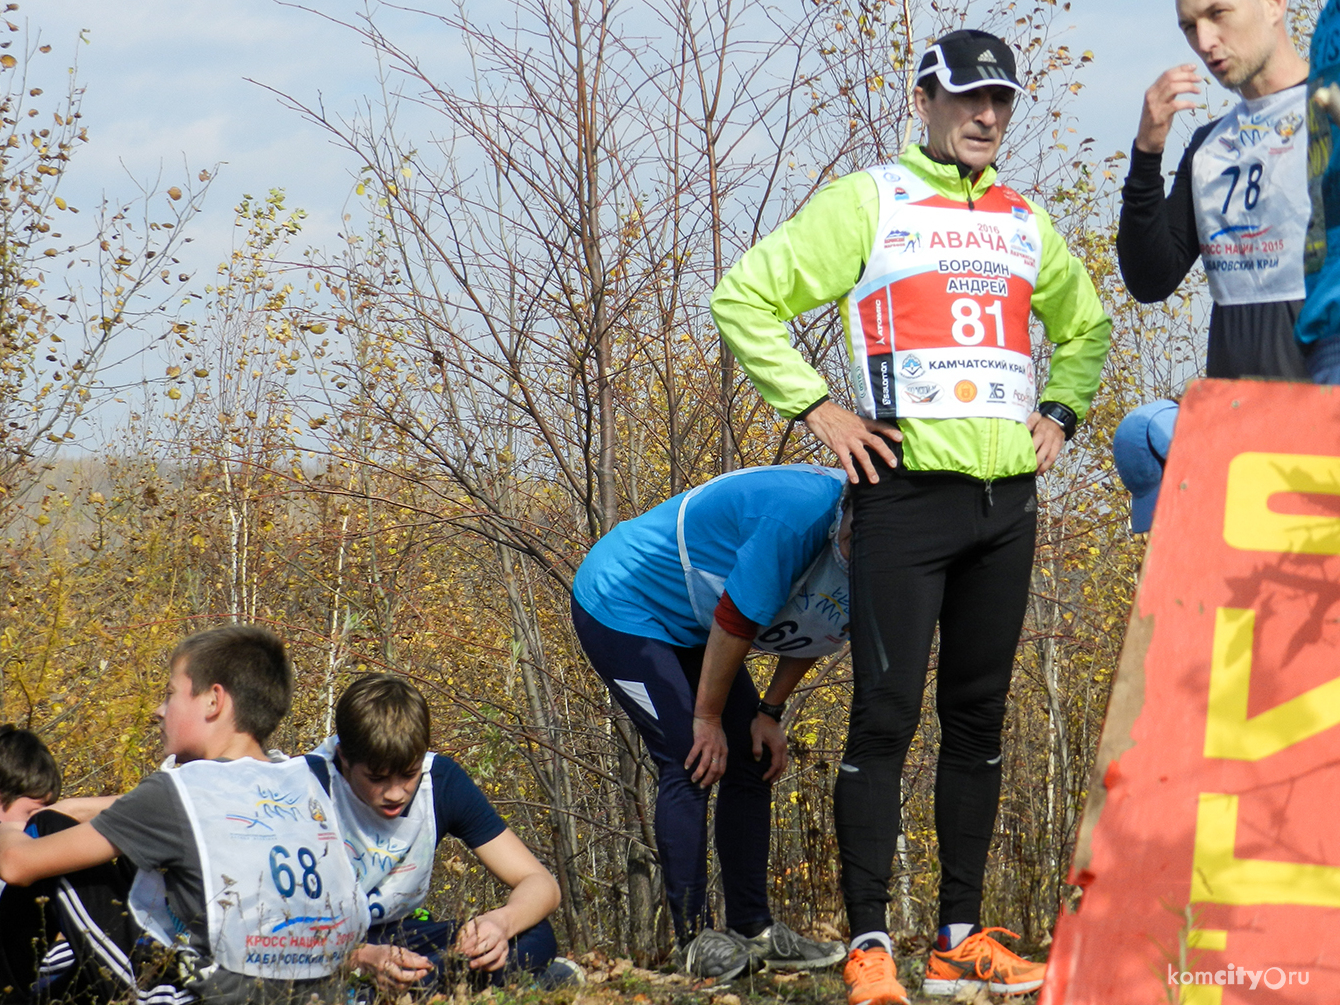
1157	241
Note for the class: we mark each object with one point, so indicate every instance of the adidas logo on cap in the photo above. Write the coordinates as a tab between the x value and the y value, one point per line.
986	57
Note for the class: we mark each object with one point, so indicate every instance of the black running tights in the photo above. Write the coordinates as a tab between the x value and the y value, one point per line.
928	548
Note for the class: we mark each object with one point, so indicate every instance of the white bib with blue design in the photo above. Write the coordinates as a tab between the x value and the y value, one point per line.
281	900
1249	181
393	859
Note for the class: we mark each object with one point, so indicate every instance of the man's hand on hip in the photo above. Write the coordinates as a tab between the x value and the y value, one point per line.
1048	439
1162	104
851	437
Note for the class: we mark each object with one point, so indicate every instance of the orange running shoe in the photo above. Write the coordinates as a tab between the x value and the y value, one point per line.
872	979
979	961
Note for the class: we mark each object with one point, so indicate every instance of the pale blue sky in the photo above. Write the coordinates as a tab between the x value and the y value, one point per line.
166	80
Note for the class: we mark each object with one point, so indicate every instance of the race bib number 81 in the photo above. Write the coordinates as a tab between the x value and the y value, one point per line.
940	326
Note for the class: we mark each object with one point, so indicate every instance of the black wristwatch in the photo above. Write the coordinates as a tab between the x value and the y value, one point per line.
772	711
1062	415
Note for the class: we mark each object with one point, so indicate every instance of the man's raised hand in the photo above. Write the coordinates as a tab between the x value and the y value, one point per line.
1162	104
851	436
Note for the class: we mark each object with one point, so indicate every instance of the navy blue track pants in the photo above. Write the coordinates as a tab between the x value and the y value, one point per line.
656	683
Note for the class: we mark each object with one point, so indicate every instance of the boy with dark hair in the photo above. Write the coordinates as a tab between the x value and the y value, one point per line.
30	781
250	665
30	784
241	881
29	778
395	801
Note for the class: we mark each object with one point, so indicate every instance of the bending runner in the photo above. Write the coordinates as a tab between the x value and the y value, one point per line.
667	606
1239	200
935	267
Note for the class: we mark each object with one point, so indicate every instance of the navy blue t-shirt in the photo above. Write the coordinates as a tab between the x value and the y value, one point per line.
459	808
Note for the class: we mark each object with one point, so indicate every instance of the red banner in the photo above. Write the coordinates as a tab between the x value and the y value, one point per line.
1209	852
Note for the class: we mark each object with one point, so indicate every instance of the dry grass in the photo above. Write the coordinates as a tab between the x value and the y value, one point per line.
617	979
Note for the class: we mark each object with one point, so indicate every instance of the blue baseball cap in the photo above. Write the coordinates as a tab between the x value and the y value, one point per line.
1140	449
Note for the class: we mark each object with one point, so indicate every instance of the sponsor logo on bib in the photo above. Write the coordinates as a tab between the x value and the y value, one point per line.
251	826
924	393
270	806
965	391
911	367
1252	133
276	805
381	854
324	831
902	240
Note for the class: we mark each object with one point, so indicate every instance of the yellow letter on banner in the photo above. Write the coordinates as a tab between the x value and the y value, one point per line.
1229	733
1207	938
1200	994
1217	877
1203	994
1250	524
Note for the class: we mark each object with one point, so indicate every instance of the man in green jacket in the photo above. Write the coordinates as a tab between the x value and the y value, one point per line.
936	269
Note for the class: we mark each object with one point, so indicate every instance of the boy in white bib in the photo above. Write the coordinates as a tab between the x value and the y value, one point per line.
395	801
242	884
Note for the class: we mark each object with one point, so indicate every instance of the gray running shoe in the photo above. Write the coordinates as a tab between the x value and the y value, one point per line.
779	948
562	973
715	954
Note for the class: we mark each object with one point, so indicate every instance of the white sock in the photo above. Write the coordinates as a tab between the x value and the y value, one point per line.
956	933
881	937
